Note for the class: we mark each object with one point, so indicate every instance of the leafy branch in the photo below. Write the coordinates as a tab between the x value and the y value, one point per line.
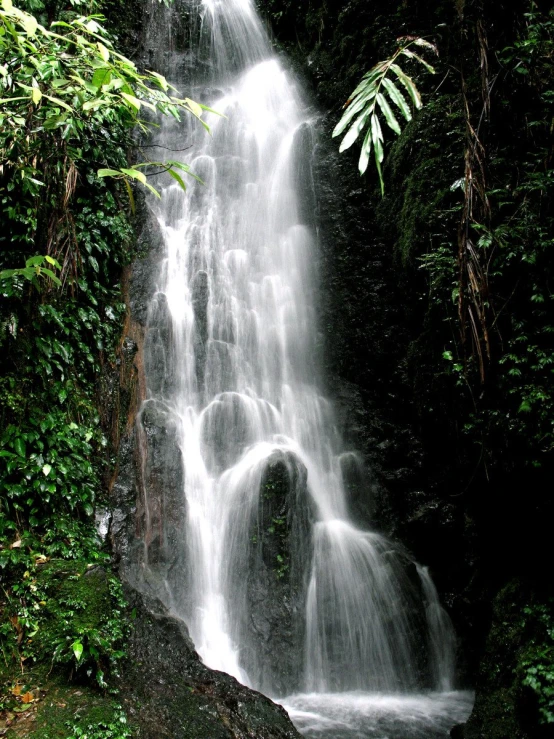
375	93
34	268
62	88
134	173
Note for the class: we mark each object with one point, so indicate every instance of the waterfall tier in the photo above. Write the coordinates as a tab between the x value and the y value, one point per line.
246	529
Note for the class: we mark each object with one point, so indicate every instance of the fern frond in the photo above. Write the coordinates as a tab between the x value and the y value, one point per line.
376	95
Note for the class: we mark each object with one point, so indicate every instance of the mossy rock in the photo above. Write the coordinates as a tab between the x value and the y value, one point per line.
519	644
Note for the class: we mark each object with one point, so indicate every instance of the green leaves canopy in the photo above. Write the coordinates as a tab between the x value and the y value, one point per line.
65	83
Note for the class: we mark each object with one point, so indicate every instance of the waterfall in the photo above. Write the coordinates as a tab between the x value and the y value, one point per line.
245	526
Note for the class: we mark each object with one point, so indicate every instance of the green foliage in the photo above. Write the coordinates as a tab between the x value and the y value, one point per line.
116	728
83	616
33	270
536	666
67	614
65	91
60	321
77	714
376	92
52	448
508	417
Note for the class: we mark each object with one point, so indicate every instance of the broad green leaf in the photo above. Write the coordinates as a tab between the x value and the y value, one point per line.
377	131
211	110
11	100
412	55
366	151
54	121
52	261
30	24
46	469
408	84
7	5
178	179
57	101
353	110
152	189
104	52
354	131
148	105
116	84
131	99
377	137
397	98
101	77
389	115
35	261
196	109
108	173
20	447
36	95
51	275
184	168
130	194
380	173
368	78
61	82
135	174
77	650
161	80
94	104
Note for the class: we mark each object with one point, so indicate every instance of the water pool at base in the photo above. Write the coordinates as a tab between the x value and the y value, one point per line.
359	715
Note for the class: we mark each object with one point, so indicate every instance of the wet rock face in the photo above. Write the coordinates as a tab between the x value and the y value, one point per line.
162	507
169	693
200	298
279	562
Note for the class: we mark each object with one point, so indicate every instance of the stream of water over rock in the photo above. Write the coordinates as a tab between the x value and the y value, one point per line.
247	534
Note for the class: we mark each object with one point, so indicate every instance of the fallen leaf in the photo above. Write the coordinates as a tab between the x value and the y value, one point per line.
28	697
16	544
16	690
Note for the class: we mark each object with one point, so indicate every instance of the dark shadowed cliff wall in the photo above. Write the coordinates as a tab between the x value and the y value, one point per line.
455	421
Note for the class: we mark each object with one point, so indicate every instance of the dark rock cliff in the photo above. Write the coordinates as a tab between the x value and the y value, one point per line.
438	478
170	693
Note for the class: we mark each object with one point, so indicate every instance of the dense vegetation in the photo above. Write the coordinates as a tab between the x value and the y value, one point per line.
70	104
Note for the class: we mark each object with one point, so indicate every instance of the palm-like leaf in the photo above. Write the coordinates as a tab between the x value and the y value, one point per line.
376	95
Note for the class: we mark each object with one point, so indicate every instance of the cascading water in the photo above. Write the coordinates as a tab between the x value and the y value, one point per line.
250	540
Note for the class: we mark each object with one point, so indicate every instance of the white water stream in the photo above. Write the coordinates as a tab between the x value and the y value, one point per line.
235	369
